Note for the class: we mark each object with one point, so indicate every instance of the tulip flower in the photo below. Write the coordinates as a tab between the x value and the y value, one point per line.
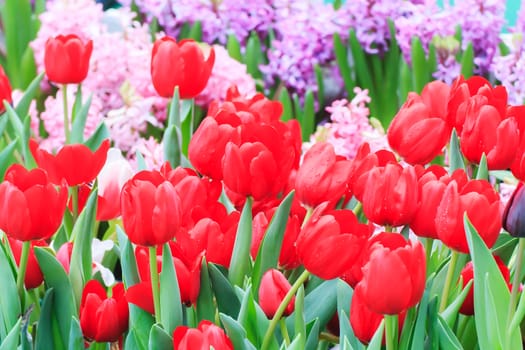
274	287
480	201
514	215
66	59
33	277
77	164
419	131
518	164
180	64
103	318
328	234
5	90
467	274
151	209
322	176
206	336
394	276
391	194
31	206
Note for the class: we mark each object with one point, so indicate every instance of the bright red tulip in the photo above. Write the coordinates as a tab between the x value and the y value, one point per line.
322	177
33	277
328	234
394	276
180	64
480	201
103	318
419	131
77	164
467	274
274	287
66	59
391	195
206	336
518	164
31	206
5	90
151	209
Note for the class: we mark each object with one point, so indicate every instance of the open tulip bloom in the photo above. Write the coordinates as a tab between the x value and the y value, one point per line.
130	218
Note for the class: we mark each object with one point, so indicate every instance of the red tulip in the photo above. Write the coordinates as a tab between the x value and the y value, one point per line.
273	289
204	337
66	59
513	216
334	233
322	176
467	274
103	318
33	277
518	164
151	209
419	131
391	195
180	64
5	90
77	164
394	276
480	201
32	207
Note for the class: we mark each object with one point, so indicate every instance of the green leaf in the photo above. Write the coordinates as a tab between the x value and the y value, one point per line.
456	158
171	146
320	84
64	305
299	324
253	55
252	318
196	31
451	312
140	323
47	333
130	274
159	338
79	120
418	337
240	264
234	48
313	330
236	333
341	57
375	343
483	171
405	80
76	338
6	157
420	73
10	309
362	71
227	301
100	134
22	108
270	248
467	61
491	297
297	343
308	116
171	315
11	340
205	304
344	298
81	267
286	101
447	338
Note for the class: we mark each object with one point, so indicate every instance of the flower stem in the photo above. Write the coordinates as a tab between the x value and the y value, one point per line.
448	280
66	114
308	215
22	269
428	251
516	281
74	202
278	314
391	332
284	332
154	281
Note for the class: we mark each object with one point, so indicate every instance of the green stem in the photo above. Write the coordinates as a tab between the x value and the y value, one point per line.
358	209
516	281
448	280
22	269
66	116
278	314
389	228
36	301
154	281
284	332
334	339
391	332
74	202
429	242
309	212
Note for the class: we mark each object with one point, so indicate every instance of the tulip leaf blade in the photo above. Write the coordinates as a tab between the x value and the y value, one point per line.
341	57
320	84
313	330
451	312
344	298
240	264
140	323
252	318
22	107
76	338
6	157
130	275
253	55
10	307
47	336
456	158
361	68
79	119
205	304
286	101
234	47
10	341
491	294
270	248
63	298
227	301
420	74
171	315
308	115
296	344
375	343
171	145
81	266
483	170
159	338
96	139
236	333
299	324
467	61
447	338
418	335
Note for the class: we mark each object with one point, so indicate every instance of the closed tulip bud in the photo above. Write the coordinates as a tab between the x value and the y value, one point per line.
33	277
514	214
103	318
66	59
180	64
272	291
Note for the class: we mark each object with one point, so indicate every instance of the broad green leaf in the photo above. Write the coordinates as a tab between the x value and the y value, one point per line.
447	338
252	320
483	171
375	343
234	48
299	324
286	101
240	264
467	61
418	335
362	71
270	248
10	309
344	298
159	338
341	57
22	108
253	56
456	158
79	121
236	333
196	31
6	157
76	338
205	303
320	84
171	314
171	146
100	134
405	81
11	340
312	330
420	73
297	343
130	275
451	312
227	301
47	333
140	323
308	118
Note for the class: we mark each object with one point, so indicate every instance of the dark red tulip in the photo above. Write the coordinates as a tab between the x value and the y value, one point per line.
514	214
33	277
32	207
66	59
103	318
274	287
419	131
180	64
76	163
394	276
206	336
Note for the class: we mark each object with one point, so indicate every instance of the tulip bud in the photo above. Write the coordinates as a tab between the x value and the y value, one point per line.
514	214
274	287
